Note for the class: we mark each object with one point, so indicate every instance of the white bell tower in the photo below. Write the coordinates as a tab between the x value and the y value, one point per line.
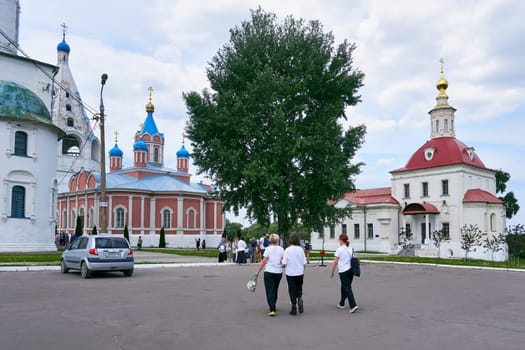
9	23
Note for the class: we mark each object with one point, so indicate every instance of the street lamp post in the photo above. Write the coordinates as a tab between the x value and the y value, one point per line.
102	202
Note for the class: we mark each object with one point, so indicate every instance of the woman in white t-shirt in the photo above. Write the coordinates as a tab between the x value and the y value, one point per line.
294	260
273	271
342	261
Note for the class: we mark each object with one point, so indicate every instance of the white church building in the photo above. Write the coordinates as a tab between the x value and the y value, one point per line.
443	186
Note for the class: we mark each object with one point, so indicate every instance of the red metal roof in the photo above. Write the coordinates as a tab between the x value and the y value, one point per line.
382	195
447	151
476	196
420	208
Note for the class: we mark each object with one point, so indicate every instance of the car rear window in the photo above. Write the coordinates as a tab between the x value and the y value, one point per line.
110	243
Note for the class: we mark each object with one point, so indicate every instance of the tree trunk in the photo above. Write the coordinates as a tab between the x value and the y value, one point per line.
283	225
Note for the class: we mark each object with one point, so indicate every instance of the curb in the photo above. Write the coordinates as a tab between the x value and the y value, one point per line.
443	265
137	267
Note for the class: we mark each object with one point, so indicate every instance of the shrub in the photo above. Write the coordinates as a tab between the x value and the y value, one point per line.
162	239
94	231
78	227
126	232
516	241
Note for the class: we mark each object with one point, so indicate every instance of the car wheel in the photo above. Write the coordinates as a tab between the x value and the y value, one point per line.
84	271
128	273
63	267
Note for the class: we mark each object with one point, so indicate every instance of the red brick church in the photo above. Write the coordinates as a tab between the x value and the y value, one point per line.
146	197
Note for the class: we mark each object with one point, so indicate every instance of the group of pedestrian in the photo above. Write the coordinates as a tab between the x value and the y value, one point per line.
61	239
293	259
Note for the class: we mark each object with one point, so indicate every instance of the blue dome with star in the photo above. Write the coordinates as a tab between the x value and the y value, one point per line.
140	145
116	151
183	153
63	46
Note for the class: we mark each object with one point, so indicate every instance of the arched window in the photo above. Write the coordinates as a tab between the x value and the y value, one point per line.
70	122
445	125
493	222
119	218
156	155
95	150
18	202
20	144
68	107
64	219
91	217
437	125
71	145
166	218
191	218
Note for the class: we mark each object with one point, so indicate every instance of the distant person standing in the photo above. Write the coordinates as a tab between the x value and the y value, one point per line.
273	271
307	249
223	251
241	251
198	243
253	249
294	261
342	261
203	244
139	243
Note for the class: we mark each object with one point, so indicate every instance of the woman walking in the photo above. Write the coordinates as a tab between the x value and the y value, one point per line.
294	260
342	261
273	271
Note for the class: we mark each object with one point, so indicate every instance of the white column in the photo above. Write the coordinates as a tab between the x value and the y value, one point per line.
109	220
202	217
142	215
180	210
427	227
214	217
130	213
152	216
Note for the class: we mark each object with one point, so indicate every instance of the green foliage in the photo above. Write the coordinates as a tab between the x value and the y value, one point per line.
126	232
94	231
515	239
269	133
162	238
232	230
78	227
471	236
511	203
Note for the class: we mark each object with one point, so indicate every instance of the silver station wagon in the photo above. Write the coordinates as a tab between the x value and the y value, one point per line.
98	253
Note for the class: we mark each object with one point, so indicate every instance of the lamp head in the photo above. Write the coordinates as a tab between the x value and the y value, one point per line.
104	78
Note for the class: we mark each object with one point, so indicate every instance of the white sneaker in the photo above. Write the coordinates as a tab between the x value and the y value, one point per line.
354	309
339	306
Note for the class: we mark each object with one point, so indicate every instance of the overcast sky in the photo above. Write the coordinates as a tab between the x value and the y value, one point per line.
168	43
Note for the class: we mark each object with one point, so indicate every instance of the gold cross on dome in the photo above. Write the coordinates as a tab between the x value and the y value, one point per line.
64	28
150	92
116	136
141	125
442	61
183	134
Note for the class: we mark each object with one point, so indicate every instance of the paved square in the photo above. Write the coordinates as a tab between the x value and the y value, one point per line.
402	307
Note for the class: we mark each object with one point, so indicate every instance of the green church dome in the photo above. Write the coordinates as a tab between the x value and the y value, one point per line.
19	103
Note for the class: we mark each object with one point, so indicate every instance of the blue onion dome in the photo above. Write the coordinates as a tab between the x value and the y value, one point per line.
183	153
63	46
116	151
140	145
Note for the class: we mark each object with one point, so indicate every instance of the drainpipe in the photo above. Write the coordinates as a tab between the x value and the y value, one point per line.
365	228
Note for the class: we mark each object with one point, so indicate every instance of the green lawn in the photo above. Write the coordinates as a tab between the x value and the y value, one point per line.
207	253
30	257
415	259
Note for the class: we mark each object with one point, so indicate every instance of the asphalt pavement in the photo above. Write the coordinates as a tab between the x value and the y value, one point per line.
208	307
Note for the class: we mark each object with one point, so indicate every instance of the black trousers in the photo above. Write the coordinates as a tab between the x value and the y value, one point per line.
295	288
271	285
346	288
223	257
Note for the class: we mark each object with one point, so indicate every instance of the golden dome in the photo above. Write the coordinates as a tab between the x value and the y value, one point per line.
442	83
150	107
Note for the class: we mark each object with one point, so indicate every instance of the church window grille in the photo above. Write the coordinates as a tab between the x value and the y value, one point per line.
20	144
332	232
64	219
356	231
70	122
425	189
343	229
444	187
406	188
445	228
18	202
156	155
166	218
119	218
370	229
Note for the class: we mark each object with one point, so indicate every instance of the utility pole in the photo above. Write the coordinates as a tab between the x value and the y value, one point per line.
102	201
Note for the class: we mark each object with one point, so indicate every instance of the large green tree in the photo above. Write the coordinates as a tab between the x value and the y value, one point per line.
511	203
269	132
